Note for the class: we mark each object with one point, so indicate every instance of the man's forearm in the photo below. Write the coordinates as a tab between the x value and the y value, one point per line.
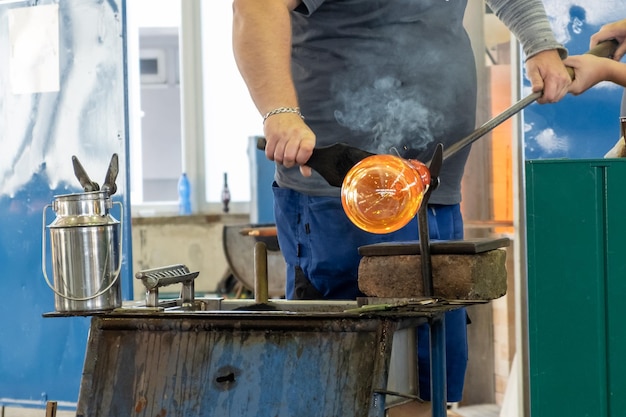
528	22
262	49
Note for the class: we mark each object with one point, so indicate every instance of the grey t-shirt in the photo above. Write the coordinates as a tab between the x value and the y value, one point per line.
388	77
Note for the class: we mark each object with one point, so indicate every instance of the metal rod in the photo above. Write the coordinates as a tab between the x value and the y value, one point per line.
399	394
603	49
438	382
422	220
490	125
425	259
260	273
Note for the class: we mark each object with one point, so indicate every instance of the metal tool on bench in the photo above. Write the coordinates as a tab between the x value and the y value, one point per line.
238	242
88	185
156	278
261	294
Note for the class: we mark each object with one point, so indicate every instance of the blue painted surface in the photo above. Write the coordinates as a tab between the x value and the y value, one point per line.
584	126
261	364
261	179
438	366
42	358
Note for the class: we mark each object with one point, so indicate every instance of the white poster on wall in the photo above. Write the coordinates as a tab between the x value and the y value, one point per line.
34	56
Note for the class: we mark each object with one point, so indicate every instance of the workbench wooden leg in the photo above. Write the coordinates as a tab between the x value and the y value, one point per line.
438	383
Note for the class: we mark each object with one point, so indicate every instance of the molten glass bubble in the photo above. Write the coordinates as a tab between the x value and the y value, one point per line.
382	193
422	170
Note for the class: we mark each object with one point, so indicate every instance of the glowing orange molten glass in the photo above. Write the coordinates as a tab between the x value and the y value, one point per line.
382	193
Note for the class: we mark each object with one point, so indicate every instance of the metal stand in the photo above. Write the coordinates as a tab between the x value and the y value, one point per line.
438	383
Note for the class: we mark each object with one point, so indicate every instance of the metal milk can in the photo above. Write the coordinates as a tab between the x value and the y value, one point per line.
86	246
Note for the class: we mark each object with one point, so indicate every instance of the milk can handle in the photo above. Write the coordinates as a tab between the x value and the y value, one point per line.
44	259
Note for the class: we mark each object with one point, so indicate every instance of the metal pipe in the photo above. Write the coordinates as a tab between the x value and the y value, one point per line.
438	382
425	259
490	125
604	49
260	273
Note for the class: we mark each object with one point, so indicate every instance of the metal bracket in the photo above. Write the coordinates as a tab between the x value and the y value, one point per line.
155	278
422	221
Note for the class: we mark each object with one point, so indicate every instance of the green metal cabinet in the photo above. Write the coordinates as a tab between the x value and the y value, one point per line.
576	224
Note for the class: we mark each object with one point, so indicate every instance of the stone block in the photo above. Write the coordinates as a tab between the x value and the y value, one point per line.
480	276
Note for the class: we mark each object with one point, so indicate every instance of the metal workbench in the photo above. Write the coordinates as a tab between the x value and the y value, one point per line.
300	359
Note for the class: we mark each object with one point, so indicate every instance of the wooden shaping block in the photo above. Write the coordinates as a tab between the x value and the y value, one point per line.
478	276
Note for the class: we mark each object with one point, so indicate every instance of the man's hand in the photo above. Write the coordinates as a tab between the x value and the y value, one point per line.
547	73
289	141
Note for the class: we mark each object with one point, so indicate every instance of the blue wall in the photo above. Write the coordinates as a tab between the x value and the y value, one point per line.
584	126
42	358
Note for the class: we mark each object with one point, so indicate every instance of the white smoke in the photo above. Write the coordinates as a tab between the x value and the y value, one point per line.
391	113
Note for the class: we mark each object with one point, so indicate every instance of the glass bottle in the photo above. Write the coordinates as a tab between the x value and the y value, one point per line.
225	194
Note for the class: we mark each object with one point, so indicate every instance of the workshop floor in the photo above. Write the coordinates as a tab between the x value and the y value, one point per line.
482	410
488	410
31	412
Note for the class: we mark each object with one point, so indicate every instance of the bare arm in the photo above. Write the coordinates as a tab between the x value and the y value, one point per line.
262	49
544	68
590	70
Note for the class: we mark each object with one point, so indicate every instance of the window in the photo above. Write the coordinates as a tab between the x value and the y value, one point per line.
183	119
152	65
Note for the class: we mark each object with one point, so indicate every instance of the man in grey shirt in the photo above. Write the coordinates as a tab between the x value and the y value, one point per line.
381	75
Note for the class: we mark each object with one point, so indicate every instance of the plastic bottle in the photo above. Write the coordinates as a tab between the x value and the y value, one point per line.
184	195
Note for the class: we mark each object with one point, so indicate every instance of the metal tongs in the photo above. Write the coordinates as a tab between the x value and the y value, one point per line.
434	168
109	180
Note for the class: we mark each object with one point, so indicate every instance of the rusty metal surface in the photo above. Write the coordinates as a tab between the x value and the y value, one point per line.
238	364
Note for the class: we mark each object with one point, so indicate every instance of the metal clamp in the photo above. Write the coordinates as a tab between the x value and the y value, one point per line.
155	278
